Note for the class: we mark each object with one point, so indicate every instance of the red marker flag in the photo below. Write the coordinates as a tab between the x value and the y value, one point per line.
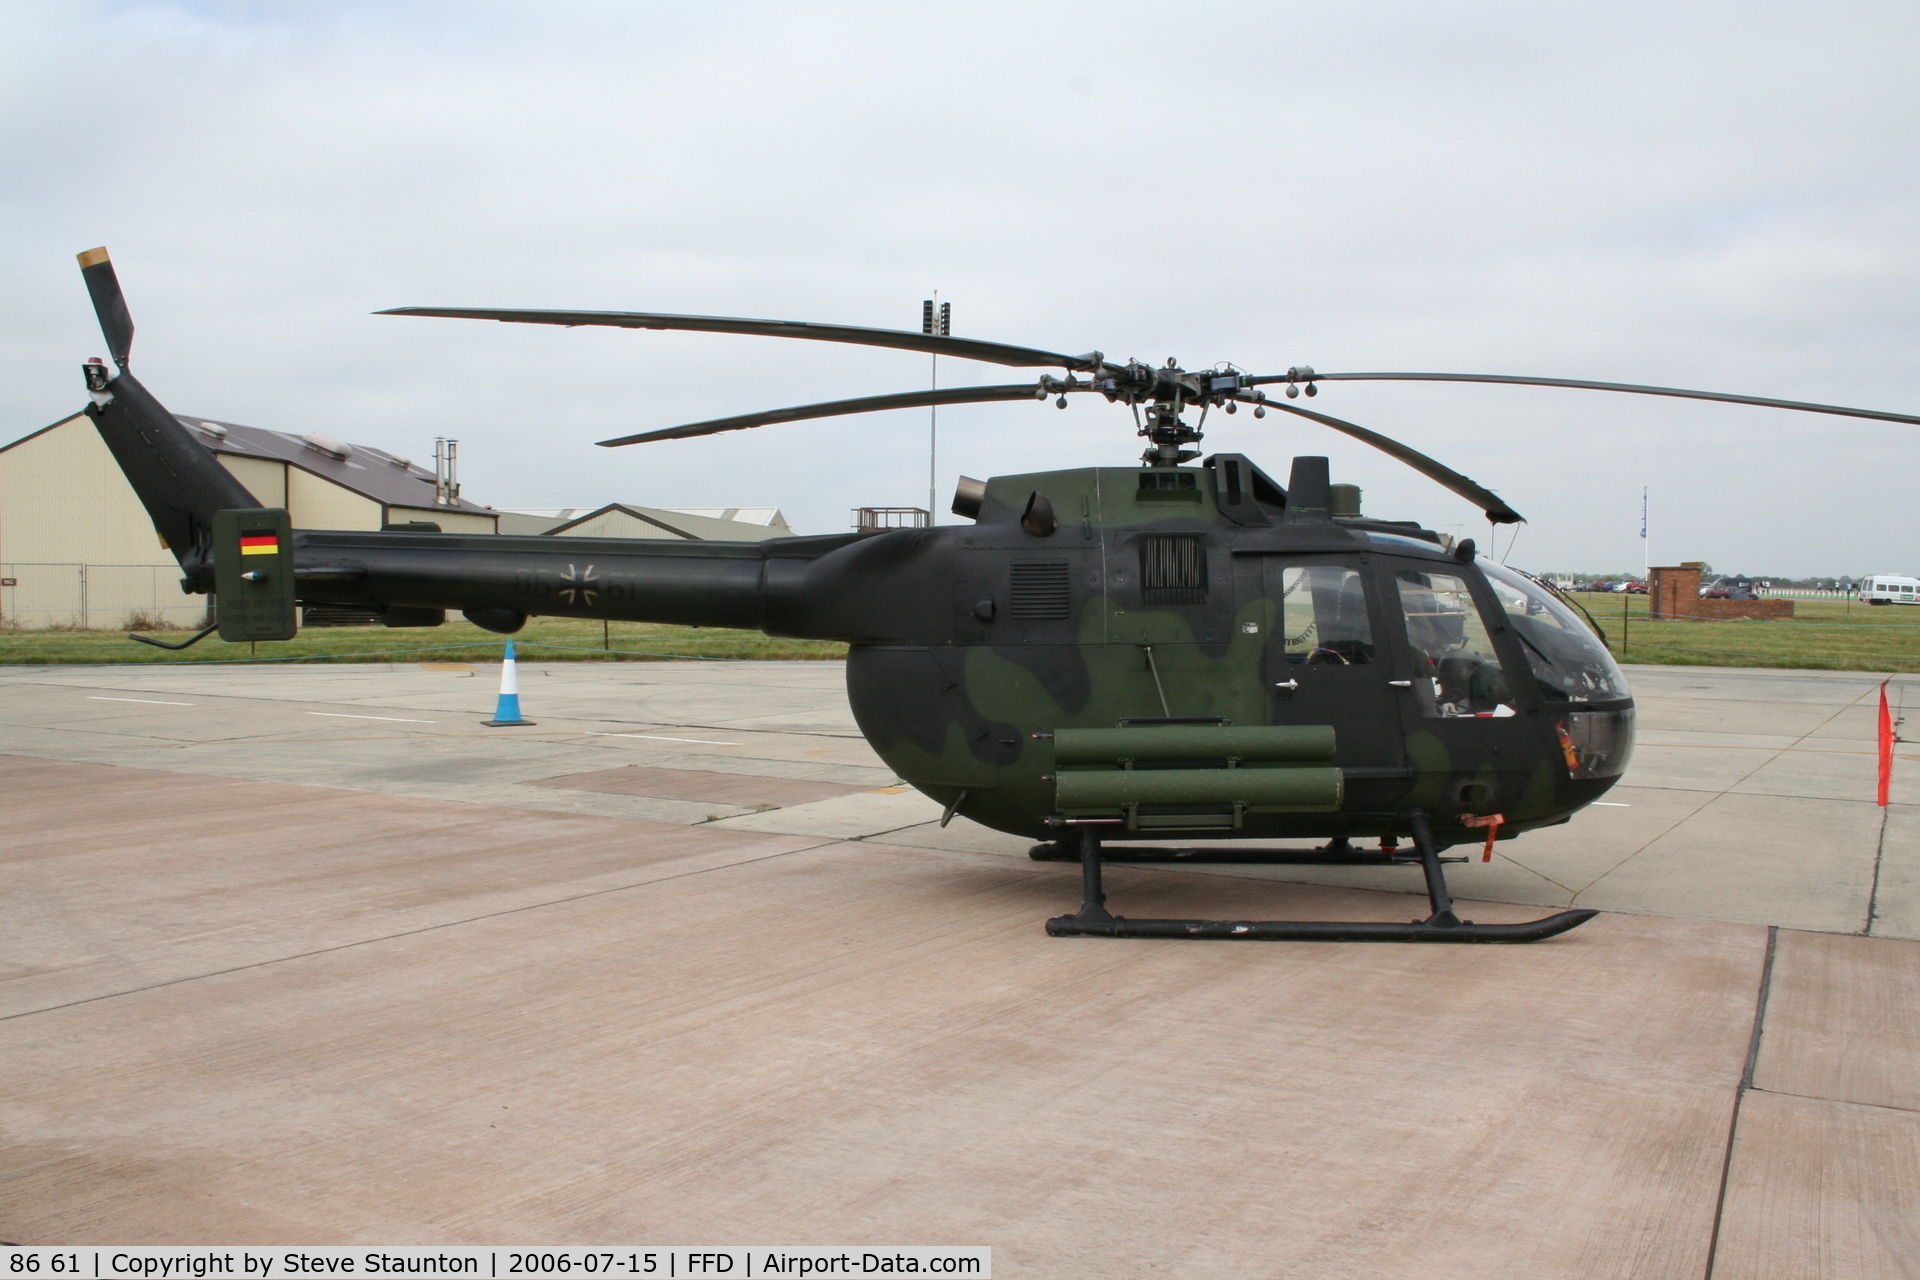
1886	743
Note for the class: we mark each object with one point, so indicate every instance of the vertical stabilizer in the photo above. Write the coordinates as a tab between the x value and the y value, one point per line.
177	479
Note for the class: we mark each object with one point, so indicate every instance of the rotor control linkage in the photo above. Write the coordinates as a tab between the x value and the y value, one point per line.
1094	920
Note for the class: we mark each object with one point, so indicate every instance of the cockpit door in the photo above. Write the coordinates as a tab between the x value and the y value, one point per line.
1469	708
1327	661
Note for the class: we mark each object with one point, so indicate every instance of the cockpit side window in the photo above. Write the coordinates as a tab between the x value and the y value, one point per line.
1456	669
1323	616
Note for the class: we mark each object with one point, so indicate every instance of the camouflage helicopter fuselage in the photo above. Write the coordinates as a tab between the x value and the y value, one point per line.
1146	596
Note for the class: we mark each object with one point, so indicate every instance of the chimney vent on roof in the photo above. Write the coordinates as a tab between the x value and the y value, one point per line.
446	472
327	445
214	429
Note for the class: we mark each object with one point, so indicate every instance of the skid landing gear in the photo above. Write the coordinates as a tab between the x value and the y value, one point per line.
1093	920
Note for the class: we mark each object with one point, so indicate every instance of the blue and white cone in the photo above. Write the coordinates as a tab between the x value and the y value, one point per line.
507	710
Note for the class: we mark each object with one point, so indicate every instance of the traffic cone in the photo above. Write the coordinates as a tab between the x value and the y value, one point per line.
507	711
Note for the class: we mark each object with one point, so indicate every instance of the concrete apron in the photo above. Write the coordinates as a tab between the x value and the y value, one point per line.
258	1012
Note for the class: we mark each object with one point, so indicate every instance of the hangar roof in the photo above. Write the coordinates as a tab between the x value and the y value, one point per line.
369	472
372	473
681	524
547	519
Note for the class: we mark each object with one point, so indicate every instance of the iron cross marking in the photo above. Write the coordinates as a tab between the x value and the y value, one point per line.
583	586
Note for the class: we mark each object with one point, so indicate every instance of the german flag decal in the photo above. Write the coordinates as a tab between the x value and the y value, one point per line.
259	544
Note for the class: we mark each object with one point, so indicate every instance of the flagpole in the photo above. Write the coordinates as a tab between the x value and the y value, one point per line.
1646	544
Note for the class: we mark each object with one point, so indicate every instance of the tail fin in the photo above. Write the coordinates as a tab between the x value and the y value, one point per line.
177	479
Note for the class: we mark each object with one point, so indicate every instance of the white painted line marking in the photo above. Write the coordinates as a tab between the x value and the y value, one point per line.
341	715
654	737
94	697
1613	804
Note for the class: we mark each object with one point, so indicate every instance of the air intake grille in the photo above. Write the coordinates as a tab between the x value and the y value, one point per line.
1173	569
1039	590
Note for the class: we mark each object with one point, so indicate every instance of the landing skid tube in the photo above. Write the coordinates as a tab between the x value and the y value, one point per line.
1093	920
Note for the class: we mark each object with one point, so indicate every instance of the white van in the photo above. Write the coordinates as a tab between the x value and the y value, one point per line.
1888	588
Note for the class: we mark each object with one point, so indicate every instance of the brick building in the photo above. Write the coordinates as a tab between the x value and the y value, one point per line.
1675	594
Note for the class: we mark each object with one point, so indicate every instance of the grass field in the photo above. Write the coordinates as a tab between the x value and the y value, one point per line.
543	640
1824	634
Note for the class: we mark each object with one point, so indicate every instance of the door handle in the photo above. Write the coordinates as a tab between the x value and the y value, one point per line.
1401	684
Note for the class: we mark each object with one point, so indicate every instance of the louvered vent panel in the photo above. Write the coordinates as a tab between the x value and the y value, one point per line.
1173	569
1039	590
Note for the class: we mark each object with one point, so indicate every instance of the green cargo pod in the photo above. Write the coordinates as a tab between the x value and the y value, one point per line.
1176	777
253	574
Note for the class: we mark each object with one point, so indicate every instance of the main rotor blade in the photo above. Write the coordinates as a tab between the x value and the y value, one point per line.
1495	508
899	339
1582	385
108	303
833	408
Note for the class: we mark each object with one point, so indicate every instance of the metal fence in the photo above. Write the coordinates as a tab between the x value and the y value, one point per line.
875	519
1808	593
88	596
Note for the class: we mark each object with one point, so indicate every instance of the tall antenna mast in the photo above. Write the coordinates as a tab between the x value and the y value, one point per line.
936	317
1646	544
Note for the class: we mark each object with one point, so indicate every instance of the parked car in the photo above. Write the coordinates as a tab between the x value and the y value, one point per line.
1728	589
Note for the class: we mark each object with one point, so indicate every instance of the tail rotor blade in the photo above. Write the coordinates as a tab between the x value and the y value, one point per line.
108	303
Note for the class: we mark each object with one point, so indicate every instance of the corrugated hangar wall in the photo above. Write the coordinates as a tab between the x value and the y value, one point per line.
77	548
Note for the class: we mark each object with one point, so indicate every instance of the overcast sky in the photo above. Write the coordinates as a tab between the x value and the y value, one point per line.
1718	196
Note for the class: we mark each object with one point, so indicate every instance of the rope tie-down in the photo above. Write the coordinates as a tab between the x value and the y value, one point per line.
1491	822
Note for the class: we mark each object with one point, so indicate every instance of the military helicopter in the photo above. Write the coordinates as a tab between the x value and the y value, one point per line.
1104	656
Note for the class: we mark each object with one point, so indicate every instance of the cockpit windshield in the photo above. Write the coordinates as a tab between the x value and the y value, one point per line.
1568	660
